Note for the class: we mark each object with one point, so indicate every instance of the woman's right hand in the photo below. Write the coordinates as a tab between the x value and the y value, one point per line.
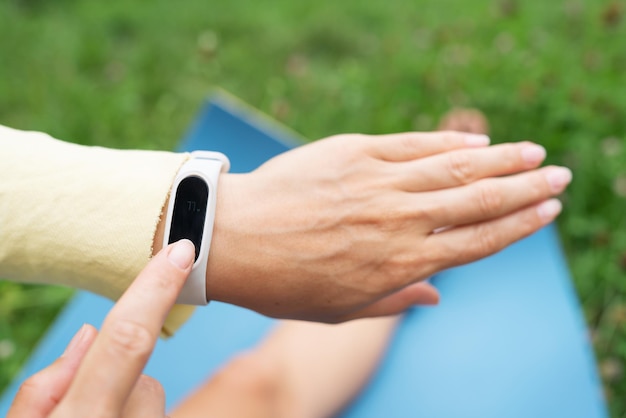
348	226
100	374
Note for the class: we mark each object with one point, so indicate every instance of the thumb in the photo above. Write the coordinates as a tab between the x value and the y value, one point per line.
41	392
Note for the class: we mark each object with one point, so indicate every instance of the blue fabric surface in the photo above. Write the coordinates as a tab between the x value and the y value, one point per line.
508	339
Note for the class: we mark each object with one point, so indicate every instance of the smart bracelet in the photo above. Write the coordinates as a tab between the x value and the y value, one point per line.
191	214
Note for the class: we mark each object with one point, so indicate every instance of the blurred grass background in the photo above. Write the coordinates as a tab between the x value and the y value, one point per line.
132	73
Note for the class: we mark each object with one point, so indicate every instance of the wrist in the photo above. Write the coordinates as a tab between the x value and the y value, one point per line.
222	267
226	263
190	210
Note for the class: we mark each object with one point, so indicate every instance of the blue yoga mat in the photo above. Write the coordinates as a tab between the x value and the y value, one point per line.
508	339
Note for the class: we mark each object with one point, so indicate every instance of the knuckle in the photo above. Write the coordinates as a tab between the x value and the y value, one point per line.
401	268
350	147
336	138
487	241
461	167
339	143
348	139
131	339
408	143
401	218
490	200
36	388
31	386
389	220
167	281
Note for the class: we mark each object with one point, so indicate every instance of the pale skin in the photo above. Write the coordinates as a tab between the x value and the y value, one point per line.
341	229
301	370
99	375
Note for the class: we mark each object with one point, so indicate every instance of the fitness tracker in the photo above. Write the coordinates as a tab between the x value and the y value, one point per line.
191	214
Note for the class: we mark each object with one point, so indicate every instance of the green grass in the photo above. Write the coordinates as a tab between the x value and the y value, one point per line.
133	73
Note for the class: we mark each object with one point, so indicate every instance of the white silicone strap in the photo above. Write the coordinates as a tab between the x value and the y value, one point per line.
208	166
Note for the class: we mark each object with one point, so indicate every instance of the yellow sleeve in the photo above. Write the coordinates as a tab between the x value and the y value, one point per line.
81	216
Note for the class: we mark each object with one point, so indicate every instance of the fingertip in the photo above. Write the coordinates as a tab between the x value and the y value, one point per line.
436	298
84	336
423	293
558	178
91	333
181	253
429	297
533	154
549	210
75	341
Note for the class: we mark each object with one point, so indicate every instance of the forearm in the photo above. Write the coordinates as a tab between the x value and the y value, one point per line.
302	370
323	367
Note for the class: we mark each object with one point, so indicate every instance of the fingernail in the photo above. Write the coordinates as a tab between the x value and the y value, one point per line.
76	340
182	253
533	153
558	178
475	140
549	209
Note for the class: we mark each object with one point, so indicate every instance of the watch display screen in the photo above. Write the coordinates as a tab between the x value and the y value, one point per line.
189	211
